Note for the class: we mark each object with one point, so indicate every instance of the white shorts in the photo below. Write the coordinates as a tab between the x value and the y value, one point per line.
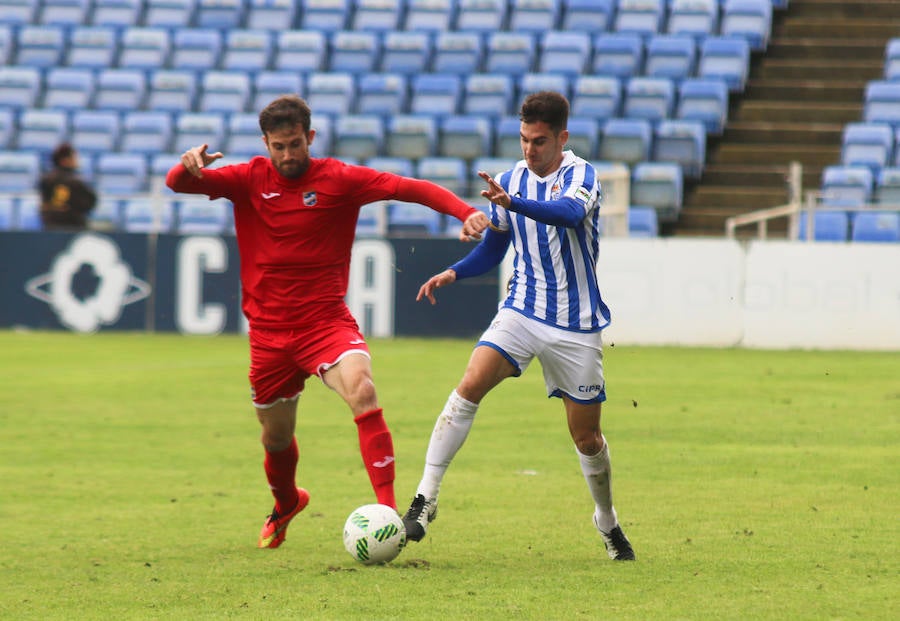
572	361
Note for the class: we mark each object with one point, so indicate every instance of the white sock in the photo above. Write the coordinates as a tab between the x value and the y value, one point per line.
450	432
597	473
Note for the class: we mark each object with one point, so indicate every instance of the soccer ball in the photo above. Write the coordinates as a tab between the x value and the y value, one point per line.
374	534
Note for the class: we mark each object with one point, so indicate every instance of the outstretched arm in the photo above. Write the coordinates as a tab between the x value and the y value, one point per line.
566	212
192	163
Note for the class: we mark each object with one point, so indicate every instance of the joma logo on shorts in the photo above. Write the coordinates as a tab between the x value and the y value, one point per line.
591	388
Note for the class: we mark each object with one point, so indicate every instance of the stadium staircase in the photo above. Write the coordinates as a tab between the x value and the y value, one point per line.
801	92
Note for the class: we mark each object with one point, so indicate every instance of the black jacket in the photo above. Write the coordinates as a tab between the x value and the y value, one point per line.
66	199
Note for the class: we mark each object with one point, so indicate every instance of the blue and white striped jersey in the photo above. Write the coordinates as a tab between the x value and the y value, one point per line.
554	277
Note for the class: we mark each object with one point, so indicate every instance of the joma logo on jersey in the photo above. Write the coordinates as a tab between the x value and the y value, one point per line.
591	388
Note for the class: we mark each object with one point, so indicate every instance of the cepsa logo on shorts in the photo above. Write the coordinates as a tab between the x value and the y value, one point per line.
591	388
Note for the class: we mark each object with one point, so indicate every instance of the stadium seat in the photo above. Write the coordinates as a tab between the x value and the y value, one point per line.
40	46
8	213
7	44
628	141
376	15
847	186
193	128
303	51
358	136
565	52
696	18
529	83
18	12
331	93
91	47
95	131
507	138
537	16
244	137
106	214
449	172
7	128
584	136
411	136
619	55
488	94
493	166
887	187
751	19
64	12
875	226
867	144
145	131
271	15
148	215
325	15
160	164
19	86
384	94
406	52
324	126
706	101
372	220
120	89
643	221
354	52
658	185
436	94
144	48
466	137
458	52
247	50
68	88
28	216
590	16
649	98
430	15
670	56
641	17
268	85
881	103
892	60
683	143
197	215
172	91
412	219
116	13
220	14
397	165
196	49
831	226
486	16
510	53
597	96
120	173
224	91
169	13
725	58
42	130
19	171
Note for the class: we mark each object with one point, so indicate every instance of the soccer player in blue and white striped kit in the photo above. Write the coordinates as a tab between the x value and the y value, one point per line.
547	208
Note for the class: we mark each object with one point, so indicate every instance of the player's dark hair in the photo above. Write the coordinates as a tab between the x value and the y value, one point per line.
63	151
547	106
286	111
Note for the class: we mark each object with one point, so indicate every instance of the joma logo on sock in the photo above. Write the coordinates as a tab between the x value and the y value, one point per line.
387	461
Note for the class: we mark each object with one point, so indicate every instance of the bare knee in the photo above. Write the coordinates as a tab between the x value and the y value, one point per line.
588	443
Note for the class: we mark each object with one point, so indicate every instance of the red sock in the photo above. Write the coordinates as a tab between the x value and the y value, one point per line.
377	449
281	470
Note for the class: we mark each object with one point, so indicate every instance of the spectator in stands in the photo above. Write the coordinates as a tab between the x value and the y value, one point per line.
66	198
547	207
295	218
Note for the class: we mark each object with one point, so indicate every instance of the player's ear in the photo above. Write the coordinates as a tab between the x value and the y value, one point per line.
311	136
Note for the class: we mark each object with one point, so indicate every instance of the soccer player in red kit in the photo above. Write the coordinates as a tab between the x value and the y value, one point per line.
295	219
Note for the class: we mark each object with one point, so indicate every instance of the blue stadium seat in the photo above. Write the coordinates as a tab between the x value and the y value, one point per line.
197	215
221	14
867	144
406	52
160	164
683	143
18	12
641	17
529	83
537	16
887	187
145	131
95	131
244	137
619	55
169	13
449	172
706	101
271	15
833	226
486	16
324	128
412	219
40	46
194	128
325	15
303	51
7	128
725	58
430	15
879	227
892	60
19	171
120	173
358	136
372	220
461	53
847	186
19	86
658	185
649	98
196	49
411	136
397	165
466	137
488	94
376	15
384	94
247	50
565	52
7	213
268	85
7	44
597	96
643	221
881	103
436	94
144	48
120	89
354	52
68	88
507	138
331	93
511	53
590	16
172	90
584	136
224	91
91	47
28	216
493	166
696	18
42	130
751	19
116	13
670	56
64	12
106	215
628	141
147	215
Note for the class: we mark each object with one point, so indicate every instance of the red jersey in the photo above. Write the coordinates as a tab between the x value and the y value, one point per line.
295	235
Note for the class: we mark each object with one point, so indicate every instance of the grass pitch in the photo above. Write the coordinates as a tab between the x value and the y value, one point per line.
752	484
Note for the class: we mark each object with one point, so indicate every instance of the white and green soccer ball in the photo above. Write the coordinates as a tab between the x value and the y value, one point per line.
374	534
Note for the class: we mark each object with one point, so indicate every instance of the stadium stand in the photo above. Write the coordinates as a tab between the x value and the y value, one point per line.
19	171
649	98
590	16
95	131
584	136
302	51
566	53
193	128
437	94
892	60
376	15
597	96
847	186
171	90
412	219
536	16
488	94
398	165
120	89
458	52
466	137
449	172
91	47
485	16
887	186
145	215
867	144
510	53
354	52
384	94
641	17
220	14
324	15
704	100
116	13
224	91
18	12
144	48
411	136
42	130
201	216
683	143
660	186
68	88
28	213
881	102
247	50
829	226
878	227
267	85
626	140
696	18
331	93
619	55
107	214
358	136
750	19
146	132
643	222
172	14
670	56
64	12
40	46
533	82
430	15
244	137
506	135
121	173
271	15
7	127
407	53
725	58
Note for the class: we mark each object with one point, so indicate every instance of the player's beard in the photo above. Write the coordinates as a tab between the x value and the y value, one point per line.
293	169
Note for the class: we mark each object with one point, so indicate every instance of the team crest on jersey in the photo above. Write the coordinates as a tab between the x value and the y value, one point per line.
310	199
554	191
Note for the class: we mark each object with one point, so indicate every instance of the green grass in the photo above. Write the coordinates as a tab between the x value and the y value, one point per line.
753	484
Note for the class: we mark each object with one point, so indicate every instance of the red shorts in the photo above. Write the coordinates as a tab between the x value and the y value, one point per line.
282	359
